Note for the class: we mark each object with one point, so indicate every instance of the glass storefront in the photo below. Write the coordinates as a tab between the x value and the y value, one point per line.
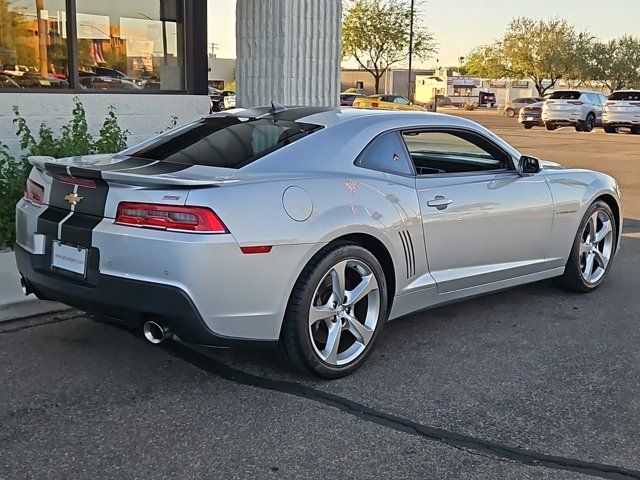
33	44
121	45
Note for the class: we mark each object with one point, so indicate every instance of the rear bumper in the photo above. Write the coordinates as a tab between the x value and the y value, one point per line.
562	117
621	120
126	300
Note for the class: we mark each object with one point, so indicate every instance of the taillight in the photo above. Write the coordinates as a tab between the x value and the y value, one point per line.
375	104
608	104
575	102
34	192
635	104
169	217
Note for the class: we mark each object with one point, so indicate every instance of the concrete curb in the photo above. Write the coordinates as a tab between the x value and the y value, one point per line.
13	303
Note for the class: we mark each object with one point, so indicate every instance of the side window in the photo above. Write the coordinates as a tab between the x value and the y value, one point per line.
435	152
402	101
386	153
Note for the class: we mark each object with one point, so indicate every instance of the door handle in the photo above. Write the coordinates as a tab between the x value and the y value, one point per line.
440	202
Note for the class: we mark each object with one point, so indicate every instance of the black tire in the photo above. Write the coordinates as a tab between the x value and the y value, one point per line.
295	344
572	279
528	126
589	124
550	126
510	112
579	128
635	130
610	129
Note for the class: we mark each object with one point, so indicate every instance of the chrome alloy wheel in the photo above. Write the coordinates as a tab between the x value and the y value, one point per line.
344	312
596	247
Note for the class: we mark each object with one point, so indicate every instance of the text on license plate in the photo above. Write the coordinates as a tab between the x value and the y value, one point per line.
70	258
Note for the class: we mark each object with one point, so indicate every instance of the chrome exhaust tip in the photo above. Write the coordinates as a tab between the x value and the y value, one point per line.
155	333
26	289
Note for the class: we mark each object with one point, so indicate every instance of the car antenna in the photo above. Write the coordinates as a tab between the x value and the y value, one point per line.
276	108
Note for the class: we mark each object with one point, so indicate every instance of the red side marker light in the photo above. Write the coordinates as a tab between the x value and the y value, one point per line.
254	250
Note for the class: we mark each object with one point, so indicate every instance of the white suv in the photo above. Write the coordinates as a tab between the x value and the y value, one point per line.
579	108
622	110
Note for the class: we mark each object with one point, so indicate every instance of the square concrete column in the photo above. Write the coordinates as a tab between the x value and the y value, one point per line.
289	51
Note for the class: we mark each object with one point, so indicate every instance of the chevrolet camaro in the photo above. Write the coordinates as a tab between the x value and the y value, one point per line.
307	229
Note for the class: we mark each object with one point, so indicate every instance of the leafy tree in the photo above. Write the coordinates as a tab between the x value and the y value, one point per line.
616	63
543	51
376	34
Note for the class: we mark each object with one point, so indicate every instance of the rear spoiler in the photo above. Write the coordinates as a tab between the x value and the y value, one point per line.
84	169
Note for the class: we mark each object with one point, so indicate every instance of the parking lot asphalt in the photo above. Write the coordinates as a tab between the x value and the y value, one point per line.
526	383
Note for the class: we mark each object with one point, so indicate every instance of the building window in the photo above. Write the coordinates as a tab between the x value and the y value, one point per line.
33	44
84	46
463	91
125	45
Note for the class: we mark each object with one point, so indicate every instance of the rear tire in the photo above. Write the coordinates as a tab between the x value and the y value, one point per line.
635	130
589	124
591	256
550	126
528	126
329	329
610	129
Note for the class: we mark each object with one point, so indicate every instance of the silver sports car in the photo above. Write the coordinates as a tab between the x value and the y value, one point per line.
307	228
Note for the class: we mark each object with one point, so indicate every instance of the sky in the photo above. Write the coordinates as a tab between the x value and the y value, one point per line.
471	23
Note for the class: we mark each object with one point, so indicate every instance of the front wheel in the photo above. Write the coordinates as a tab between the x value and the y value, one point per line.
336	311
550	126
610	129
510	112
592	251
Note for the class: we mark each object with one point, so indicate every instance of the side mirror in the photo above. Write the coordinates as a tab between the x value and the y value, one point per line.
528	166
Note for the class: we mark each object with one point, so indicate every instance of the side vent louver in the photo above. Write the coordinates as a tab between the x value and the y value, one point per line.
409	254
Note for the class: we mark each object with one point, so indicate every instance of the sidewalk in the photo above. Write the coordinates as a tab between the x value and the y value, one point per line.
13	303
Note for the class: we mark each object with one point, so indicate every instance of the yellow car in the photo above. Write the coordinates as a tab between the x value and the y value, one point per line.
386	102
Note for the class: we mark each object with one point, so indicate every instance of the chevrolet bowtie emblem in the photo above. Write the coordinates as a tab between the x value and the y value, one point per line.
73	198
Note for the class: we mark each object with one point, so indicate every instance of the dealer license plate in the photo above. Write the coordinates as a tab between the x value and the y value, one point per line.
69	258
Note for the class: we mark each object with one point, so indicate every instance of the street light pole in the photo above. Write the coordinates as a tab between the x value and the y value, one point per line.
409	82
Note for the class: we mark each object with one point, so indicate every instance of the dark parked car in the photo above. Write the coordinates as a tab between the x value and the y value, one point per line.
487	99
531	115
346	99
216	99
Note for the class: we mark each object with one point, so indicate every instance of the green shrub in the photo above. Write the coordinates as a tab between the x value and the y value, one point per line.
74	140
13	175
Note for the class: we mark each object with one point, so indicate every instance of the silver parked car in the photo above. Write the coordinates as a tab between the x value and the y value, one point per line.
531	115
307	228
515	106
578	108
622	110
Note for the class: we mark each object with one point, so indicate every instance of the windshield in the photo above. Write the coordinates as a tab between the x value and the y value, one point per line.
228	142
570	95
631	96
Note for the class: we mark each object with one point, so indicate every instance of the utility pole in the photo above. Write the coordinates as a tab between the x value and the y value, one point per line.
409	82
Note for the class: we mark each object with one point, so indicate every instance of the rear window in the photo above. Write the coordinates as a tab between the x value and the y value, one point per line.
625	96
228	142
569	95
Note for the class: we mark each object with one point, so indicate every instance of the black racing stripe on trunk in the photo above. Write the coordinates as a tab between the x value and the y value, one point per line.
160	167
89	211
48	221
59	190
78	230
93	200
